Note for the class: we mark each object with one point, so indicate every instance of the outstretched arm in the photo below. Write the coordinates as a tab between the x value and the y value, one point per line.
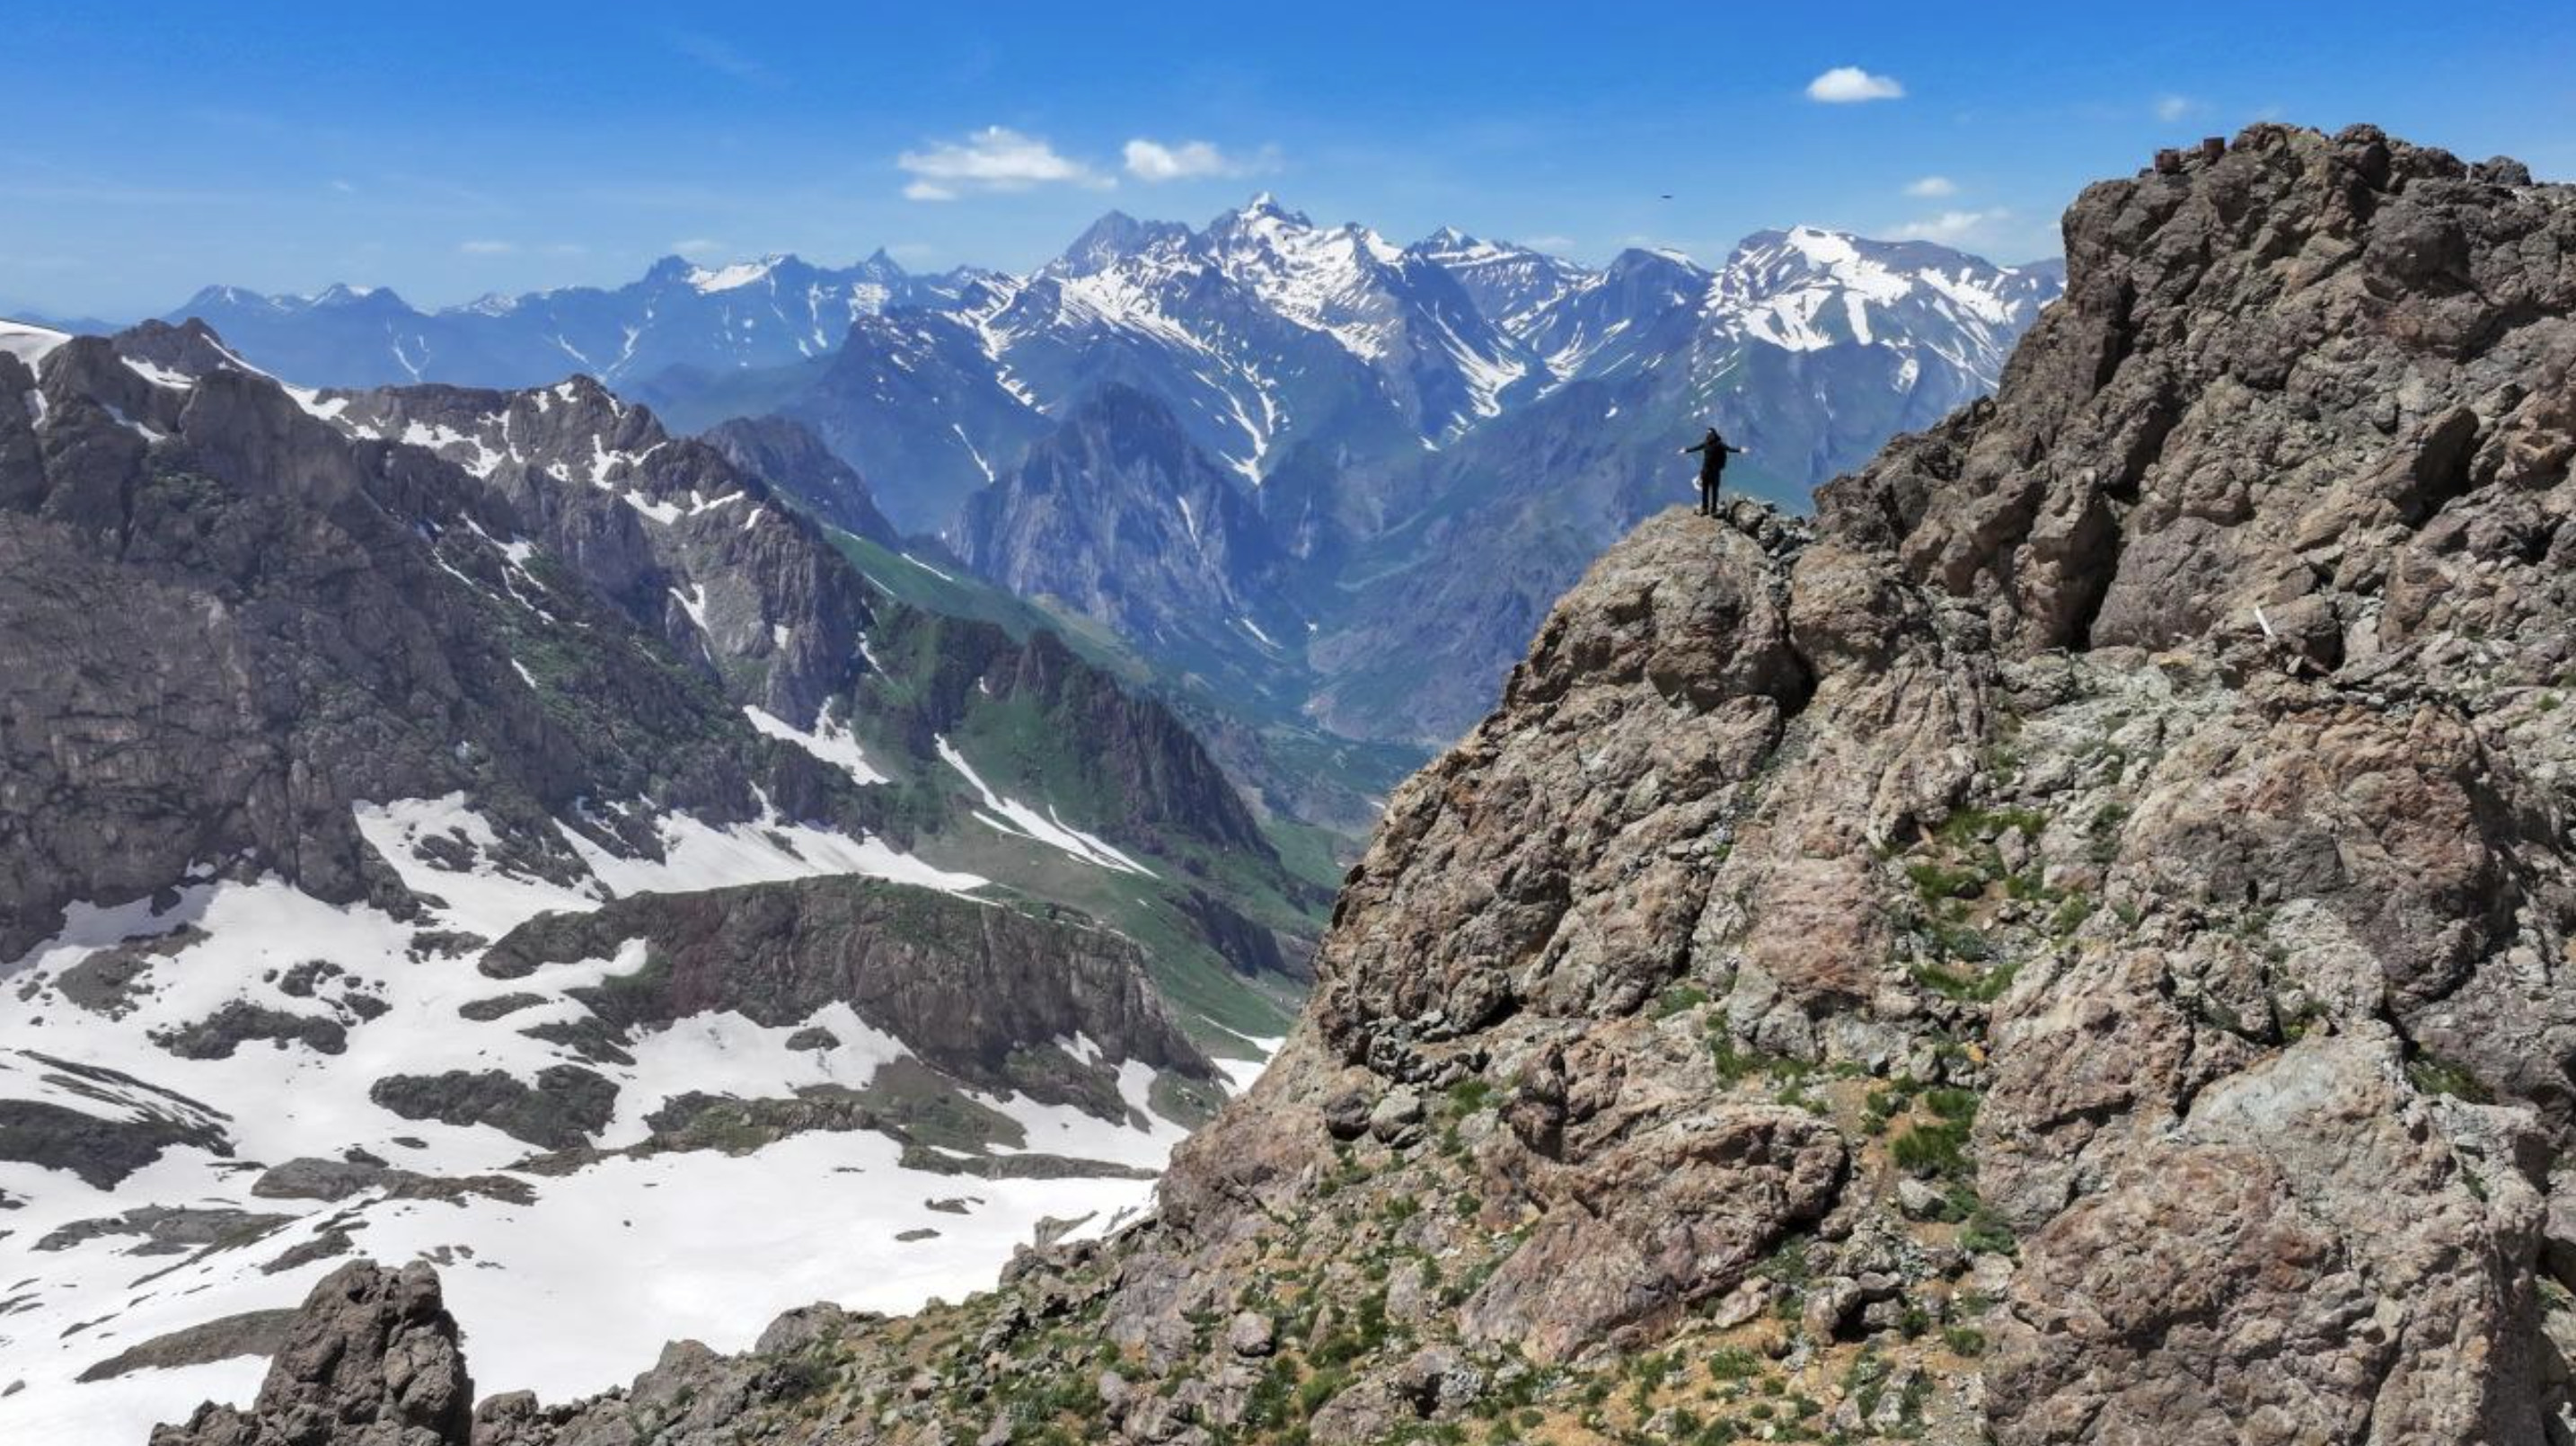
1739	451
1695	447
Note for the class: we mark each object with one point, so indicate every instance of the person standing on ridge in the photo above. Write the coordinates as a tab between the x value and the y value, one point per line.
1712	468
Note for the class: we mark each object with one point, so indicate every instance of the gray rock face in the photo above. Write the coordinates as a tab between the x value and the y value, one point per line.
371	1359
1118	517
972	988
561	1108
793	460
228	623
252	1333
227	1029
138	1121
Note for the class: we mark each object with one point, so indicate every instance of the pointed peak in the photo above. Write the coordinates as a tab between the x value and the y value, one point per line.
1265	206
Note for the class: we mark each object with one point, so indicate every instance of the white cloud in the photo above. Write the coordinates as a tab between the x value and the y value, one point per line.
1848	83
1550	242
1951	226
697	246
995	158
1149	160
2171	108
1932	186
488	248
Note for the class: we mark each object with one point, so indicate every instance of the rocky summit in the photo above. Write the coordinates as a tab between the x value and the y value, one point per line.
2071	946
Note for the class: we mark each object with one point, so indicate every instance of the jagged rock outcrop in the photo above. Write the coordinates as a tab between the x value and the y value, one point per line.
973	988
2071	950
371	1359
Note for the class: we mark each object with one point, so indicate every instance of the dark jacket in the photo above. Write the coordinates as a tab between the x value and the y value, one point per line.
1712	460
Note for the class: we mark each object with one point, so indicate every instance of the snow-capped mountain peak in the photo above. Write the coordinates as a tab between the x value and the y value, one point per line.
1809	287
1266	206
736	275
1452	241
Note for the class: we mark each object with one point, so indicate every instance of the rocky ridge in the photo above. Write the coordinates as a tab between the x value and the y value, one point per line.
2069	948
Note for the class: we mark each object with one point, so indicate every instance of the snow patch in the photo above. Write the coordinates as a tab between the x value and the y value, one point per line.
831	741
734	277
30	344
158	375
1018	818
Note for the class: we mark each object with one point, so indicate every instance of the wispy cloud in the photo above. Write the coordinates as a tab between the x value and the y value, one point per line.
721	57
1845	84
1951	227
1932	187
698	246
1150	160
995	158
2170	108
487	248
1551	242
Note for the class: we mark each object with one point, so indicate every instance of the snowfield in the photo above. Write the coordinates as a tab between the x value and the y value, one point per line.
567	1283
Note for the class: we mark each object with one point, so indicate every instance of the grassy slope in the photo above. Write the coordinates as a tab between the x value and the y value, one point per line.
1018	751
1289	742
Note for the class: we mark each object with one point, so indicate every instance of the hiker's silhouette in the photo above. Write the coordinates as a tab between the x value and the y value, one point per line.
1712	451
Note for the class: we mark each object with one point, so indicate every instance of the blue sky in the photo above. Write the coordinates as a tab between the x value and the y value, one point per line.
452	149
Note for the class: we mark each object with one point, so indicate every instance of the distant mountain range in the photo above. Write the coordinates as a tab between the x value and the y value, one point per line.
748	314
1418	447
